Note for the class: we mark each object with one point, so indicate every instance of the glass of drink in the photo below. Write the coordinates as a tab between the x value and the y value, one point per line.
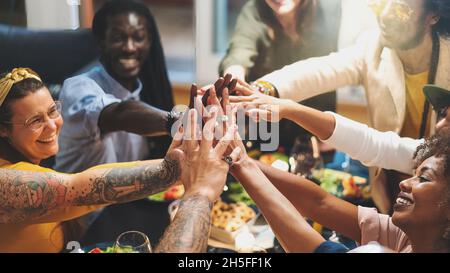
132	242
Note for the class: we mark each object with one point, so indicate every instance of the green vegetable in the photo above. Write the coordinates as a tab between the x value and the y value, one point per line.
330	182
157	197
125	249
237	193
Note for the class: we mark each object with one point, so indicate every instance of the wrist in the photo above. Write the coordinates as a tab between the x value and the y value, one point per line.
264	87
244	167
189	197
170	119
205	192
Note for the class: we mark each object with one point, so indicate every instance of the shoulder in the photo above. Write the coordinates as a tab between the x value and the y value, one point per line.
82	80
250	12
380	228
76	88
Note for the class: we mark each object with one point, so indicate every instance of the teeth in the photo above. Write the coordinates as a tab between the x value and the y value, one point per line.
50	139
403	201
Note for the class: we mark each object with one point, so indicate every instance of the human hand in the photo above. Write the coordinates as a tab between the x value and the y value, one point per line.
226	82
264	107
203	170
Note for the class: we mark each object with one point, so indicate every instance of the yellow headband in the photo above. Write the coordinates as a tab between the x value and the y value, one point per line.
15	76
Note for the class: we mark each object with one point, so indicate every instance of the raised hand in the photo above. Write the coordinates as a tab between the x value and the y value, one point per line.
263	107
203	170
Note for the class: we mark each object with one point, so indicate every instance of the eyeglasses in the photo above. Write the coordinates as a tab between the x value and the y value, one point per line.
37	122
401	9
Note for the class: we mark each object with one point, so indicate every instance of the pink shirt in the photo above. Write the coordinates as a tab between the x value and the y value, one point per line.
379	227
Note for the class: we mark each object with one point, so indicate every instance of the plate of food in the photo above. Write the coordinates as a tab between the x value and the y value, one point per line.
229	219
343	185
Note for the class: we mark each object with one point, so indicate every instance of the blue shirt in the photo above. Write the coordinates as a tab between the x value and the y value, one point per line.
81	145
331	247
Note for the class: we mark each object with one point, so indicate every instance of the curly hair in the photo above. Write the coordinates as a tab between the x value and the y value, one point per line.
442	8
438	146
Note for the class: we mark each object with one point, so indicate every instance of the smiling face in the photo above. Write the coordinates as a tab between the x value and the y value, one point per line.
422	201
125	46
282	7
404	23
35	145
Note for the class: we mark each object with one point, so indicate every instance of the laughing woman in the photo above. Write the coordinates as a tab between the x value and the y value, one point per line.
37	202
420	223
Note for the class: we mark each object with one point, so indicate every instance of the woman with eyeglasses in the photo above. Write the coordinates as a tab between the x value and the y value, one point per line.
37	203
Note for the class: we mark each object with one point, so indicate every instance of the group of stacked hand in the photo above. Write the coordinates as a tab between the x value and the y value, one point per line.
206	140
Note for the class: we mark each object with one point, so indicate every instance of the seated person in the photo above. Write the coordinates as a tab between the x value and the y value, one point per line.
409	49
36	202
420	222
270	34
107	110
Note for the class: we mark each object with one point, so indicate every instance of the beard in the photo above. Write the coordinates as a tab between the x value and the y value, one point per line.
414	41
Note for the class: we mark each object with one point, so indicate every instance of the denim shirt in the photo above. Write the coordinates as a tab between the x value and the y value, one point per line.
81	144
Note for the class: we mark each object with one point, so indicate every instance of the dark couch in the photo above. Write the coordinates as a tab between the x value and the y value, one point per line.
53	54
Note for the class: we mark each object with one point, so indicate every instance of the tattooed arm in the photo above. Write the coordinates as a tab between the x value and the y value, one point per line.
27	195
189	230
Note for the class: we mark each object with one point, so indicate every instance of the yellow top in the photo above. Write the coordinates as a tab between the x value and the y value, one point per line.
415	100
43	234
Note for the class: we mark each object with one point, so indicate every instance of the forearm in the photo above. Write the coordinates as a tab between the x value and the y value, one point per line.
291	229
118	185
308	78
316	122
27	195
189	231
313	202
134	117
373	148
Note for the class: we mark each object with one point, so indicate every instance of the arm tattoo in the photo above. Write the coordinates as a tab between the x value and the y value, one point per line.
128	184
189	231
27	195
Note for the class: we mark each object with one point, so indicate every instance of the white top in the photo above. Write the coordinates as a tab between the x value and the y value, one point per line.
367	63
81	145
373	148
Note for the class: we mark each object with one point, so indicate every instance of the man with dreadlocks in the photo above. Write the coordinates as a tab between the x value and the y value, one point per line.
107	110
